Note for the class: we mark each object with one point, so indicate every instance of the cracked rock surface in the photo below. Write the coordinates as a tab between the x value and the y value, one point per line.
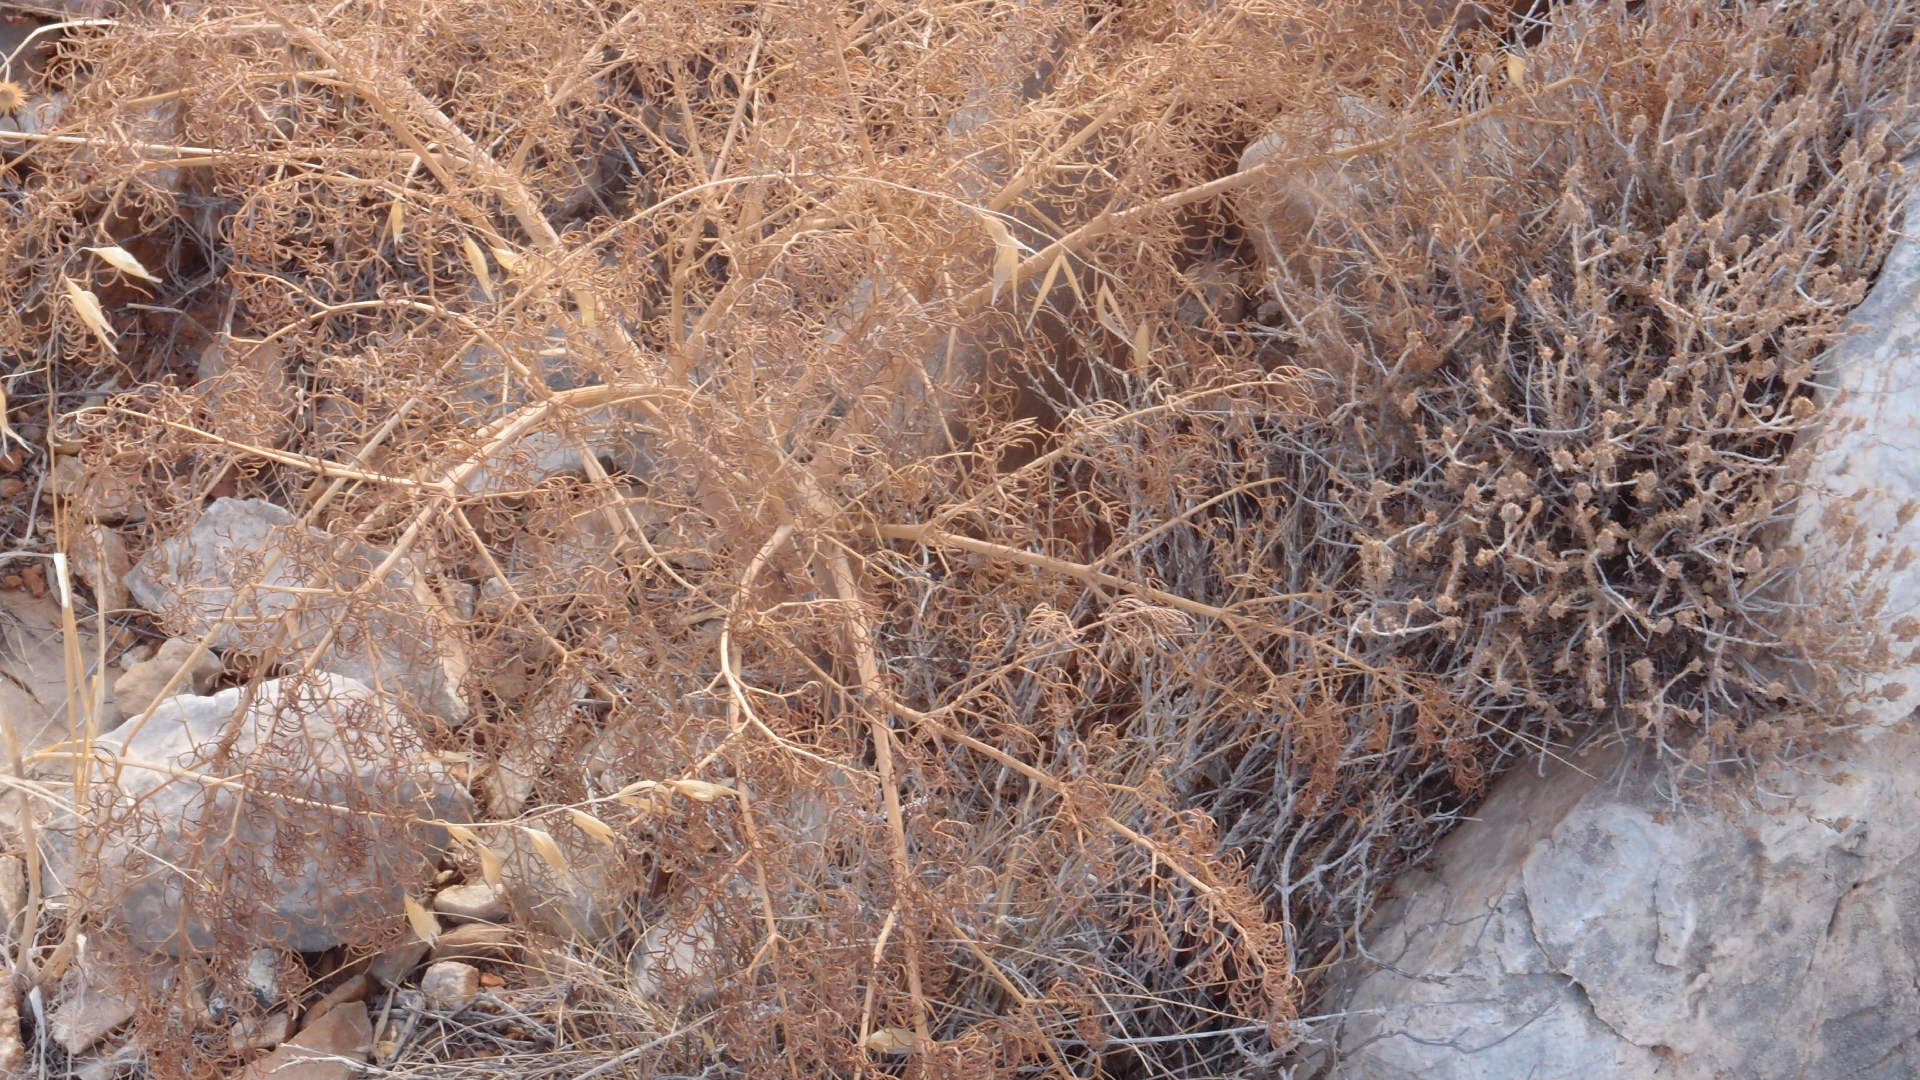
1588	926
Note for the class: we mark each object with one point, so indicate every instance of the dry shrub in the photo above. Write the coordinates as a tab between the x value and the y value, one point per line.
1090	560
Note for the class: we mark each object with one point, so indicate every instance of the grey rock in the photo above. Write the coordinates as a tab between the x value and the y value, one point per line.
263	974
13	887
824	820
311	840
1296	211
33	672
194	1002
247	554
244	384
614	434
143	682
536	457
13	1053
1584	928
353	989
508	784
474	903
43	112
450	984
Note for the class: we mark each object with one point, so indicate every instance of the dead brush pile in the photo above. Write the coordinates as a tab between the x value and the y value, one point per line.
1019	517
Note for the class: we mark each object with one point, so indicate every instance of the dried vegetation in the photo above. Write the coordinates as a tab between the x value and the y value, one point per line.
1061	500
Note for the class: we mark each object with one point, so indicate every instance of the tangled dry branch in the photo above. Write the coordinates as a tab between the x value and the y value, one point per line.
1020	516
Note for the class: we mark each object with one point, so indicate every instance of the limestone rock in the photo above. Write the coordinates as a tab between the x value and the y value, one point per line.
13	887
508	784
353	989
1295	210
531	459
823	820
545	719
331	776
263	975
1862	466
1586	928
614	434
1599	928
249	554
13	1053
143	682
126	1060
450	984
474	903
331	1049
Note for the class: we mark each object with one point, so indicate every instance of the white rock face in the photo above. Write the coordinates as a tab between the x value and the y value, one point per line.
316	831
394	636
1591	928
